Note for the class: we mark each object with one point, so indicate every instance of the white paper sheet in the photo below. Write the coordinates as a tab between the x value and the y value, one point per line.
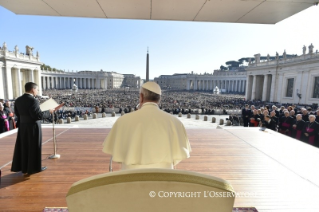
49	104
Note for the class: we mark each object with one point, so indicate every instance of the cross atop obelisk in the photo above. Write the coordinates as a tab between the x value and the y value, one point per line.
147	67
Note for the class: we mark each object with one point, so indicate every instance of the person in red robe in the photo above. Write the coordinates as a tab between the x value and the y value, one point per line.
254	119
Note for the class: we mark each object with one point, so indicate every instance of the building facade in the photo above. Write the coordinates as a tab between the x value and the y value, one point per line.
294	80
17	68
226	81
132	81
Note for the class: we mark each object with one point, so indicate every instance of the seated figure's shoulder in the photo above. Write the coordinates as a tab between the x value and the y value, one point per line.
170	117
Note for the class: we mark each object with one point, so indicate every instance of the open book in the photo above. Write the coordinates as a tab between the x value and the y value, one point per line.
50	104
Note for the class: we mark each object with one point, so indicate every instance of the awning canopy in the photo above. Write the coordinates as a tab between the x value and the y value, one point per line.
233	11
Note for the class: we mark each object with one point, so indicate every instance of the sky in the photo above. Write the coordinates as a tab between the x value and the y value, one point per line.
174	46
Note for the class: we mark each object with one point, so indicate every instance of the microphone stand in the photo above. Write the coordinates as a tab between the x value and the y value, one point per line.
55	155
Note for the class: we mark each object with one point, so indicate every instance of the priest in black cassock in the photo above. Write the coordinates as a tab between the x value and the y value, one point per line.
245	114
28	147
298	127
269	123
310	130
285	123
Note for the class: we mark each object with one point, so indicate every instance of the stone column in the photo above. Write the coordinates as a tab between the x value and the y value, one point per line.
43	82
264	96
19	84
89	83
272	88
241	85
253	93
236	85
31	75
85	83
48	82
247	95
8	88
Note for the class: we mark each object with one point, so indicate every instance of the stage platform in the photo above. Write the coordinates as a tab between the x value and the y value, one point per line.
276	172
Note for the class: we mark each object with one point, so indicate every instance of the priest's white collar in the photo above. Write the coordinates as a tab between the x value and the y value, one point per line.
29	94
149	103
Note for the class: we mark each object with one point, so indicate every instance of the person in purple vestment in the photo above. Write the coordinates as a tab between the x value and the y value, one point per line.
298	127
310	130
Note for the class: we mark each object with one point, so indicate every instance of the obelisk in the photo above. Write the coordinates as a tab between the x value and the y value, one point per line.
147	67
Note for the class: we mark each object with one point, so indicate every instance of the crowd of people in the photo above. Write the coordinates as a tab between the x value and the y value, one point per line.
7	117
295	121
299	123
171	101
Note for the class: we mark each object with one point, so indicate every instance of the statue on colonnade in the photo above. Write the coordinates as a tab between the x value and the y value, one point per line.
4	47
284	55
311	49
28	50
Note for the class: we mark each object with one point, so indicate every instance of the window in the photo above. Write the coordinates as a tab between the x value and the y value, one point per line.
316	88
290	87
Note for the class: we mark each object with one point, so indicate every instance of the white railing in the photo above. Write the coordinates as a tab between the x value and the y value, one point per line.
20	56
288	60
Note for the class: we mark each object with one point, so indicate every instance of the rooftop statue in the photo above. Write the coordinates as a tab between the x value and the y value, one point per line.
285	55
311	49
304	48
28	50
4	47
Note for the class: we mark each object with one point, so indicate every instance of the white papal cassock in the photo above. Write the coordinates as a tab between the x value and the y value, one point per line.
147	138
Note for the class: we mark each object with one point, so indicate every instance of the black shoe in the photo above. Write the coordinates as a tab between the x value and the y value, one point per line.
43	168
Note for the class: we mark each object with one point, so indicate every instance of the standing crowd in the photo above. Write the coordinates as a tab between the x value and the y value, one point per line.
301	124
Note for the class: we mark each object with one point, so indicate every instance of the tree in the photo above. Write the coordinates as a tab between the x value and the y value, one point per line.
223	68
232	63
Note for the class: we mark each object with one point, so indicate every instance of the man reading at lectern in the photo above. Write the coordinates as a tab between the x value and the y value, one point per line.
27	151
149	137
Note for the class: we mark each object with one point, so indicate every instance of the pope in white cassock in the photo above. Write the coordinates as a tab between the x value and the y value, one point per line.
149	137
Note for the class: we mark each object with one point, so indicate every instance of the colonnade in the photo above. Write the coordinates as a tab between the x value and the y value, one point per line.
14	78
238	85
58	82
261	87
